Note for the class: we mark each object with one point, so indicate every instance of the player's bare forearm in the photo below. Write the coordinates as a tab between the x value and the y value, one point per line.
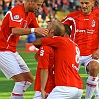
44	78
25	31
36	56
21	31
37	43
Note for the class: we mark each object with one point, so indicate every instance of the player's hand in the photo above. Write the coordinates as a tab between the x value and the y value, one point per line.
44	94
95	55
41	31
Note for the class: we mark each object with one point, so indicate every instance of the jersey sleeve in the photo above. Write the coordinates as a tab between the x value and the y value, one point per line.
67	20
70	18
15	18
54	41
44	57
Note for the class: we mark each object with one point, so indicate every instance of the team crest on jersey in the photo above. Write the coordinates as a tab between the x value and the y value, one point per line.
93	23
16	17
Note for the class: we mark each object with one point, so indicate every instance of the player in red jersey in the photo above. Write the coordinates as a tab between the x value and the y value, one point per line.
45	82
85	33
67	80
18	21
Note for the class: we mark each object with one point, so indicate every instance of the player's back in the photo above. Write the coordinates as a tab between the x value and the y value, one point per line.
66	63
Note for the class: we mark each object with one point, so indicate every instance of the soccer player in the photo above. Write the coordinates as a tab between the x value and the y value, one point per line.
67	80
44	82
18	21
85	33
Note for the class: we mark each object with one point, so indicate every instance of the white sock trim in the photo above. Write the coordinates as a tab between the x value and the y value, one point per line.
26	85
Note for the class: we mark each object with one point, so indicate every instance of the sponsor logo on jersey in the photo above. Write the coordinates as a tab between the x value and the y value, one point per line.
16	17
80	30
86	19
93	23
85	31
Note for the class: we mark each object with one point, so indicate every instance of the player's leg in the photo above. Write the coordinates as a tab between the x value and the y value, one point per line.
26	74
25	78
63	92
92	80
28	78
10	67
20	86
97	90
86	60
17	92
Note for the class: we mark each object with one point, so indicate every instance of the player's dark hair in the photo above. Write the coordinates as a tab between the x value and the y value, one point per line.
67	29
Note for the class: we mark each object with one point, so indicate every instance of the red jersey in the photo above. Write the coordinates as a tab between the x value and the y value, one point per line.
46	61
66	61
16	17
85	31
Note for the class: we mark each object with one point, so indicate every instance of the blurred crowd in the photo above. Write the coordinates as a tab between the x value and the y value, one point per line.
48	11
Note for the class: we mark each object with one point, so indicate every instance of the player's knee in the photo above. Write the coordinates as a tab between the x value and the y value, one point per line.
93	66
18	78
31	79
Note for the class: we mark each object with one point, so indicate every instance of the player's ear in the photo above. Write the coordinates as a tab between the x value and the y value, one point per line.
52	31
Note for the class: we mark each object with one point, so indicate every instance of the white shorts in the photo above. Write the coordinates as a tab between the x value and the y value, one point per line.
84	60
63	92
37	95
12	64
